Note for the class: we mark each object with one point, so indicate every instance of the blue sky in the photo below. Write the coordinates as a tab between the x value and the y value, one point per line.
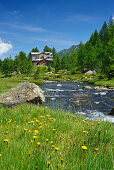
25	24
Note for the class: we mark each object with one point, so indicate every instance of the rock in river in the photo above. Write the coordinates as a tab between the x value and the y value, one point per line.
112	112
23	93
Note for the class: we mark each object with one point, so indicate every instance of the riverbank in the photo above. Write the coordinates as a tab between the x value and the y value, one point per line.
44	76
36	137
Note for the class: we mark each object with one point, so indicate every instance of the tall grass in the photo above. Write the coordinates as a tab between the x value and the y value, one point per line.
35	137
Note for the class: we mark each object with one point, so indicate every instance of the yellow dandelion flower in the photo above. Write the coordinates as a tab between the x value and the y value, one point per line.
56	148
6	132
83	121
54	130
5	140
37	120
35	131
57	165
29	131
38	143
46	140
96	149
40	123
98	123
40	127
0	154
34	137
25	129
53	146
46	125
31	141
29	153
47	115
49	163
50	119
64	122
32	121
84	147
85	132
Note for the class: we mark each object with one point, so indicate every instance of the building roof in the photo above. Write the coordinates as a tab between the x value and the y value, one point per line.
41	53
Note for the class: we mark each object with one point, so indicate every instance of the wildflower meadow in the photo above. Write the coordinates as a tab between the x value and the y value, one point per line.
36	137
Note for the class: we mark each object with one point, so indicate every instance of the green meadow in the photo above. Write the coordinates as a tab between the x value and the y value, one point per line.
36	137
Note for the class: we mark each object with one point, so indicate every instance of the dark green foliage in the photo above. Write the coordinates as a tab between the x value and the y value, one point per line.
47	49
37	73
96	54
0	64
57	64
7	66
81	57
22	64
49	68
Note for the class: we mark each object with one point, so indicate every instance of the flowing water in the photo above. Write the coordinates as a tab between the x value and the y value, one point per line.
74	97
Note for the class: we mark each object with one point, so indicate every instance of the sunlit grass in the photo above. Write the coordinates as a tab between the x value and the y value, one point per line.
33	137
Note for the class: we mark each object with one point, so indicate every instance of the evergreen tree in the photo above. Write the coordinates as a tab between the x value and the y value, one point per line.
81	57
49	68
7	65
47	49
21	63
104	36
90	57
0	64
58	64
111	29
54	52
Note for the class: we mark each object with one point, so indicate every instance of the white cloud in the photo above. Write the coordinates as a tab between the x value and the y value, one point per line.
55	41
4	47
25	27
80	18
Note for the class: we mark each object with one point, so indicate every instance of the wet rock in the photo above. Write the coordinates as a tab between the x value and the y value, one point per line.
112	112
90	72
103	88
23	93
59	85
87	87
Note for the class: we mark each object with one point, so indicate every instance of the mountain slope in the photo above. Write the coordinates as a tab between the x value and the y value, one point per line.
69	50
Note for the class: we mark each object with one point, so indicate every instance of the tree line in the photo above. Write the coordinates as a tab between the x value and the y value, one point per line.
96	54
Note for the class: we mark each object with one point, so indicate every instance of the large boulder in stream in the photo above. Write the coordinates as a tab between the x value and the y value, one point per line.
23	93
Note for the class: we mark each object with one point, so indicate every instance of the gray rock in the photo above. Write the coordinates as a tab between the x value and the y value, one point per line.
87	87
112	112
23	93
99	88
59	85
90	72
14	73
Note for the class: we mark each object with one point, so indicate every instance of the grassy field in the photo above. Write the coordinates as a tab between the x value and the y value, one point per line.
33	137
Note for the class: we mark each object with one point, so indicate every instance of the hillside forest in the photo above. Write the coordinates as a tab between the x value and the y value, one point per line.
96	54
